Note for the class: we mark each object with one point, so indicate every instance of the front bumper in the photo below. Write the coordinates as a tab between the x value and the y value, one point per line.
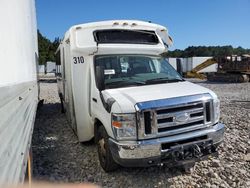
181	148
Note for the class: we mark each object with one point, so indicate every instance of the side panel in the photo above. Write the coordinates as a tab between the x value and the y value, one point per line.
18	86
64	82
18	41
97	109
69	102
18	105
81	79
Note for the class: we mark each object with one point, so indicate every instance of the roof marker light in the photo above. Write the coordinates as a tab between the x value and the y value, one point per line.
125	23
134	24
115	23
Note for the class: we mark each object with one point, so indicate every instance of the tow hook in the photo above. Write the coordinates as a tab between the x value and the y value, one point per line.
196	151
193	152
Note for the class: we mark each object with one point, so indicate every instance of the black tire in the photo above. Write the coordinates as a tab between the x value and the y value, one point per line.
105	157
62	104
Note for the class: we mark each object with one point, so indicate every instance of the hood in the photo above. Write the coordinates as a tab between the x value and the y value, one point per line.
128	97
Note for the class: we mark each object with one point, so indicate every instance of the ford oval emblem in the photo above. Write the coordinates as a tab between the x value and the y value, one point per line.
183	117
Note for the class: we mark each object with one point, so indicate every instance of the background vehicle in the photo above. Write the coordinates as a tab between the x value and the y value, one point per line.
116	88
18	86
232	69
195	72
226	69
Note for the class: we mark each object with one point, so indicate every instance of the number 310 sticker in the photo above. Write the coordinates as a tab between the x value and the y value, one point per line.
78	60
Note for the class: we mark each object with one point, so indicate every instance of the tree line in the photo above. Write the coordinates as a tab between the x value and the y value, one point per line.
214	51
47	50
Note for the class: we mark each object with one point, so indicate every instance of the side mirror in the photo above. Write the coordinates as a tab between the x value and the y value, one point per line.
100	78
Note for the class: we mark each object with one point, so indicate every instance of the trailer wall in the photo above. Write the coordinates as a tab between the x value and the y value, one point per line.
18	86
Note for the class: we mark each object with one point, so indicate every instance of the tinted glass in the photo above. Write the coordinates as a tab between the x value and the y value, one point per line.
126	36
135	70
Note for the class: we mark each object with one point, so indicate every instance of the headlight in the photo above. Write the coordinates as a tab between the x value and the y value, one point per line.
216	104
124	126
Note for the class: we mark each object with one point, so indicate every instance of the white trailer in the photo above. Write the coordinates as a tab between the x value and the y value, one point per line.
50	67
41	69
189	63
18	86
173	62
116	88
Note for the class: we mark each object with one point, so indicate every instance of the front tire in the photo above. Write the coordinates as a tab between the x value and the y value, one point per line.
105	157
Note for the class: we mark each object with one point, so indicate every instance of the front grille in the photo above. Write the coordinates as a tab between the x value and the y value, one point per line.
170	128
176	119
180	118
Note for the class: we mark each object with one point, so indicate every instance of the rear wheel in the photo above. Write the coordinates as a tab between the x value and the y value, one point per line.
105	157
62	104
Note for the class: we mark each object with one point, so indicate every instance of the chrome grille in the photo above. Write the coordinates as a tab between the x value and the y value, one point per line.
176	118
181	119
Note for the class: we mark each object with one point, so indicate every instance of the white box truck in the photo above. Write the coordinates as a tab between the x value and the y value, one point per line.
116	88
18	88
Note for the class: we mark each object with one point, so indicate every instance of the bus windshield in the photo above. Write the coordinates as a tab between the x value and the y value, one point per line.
135	70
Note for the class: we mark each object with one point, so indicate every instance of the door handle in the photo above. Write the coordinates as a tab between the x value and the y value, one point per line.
94	99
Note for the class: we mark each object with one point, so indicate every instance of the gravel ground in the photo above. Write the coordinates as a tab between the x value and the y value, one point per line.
59	157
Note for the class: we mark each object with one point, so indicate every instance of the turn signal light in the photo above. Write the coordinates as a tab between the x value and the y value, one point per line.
117	124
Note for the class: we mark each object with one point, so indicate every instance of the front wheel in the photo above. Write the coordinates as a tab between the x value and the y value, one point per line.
105	157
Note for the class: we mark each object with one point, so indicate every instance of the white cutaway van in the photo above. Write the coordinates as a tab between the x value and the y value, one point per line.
115	87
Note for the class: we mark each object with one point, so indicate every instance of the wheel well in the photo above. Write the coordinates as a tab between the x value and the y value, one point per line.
97	124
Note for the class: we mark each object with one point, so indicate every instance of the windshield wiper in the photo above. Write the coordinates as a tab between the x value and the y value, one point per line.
123	83
176	80
163	80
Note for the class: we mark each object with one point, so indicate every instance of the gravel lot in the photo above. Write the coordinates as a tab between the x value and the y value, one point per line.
59	157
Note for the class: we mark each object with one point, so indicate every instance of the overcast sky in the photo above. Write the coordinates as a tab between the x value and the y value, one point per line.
190	22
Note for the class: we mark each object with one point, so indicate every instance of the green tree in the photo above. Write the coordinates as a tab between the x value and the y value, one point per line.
46	48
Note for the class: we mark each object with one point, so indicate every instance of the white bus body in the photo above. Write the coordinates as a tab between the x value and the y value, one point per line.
114	84
18	86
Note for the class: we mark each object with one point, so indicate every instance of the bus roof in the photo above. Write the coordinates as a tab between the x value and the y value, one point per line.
82	35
